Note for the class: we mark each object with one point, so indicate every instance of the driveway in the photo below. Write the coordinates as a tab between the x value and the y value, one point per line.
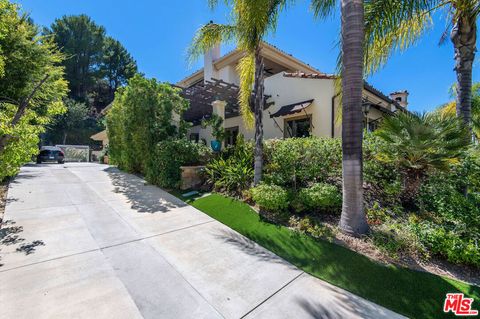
88	241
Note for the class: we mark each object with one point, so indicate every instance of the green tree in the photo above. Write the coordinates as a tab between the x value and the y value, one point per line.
251	22
420	143
71	121
117	65
144	113
353	220
393	25
31	86
82	41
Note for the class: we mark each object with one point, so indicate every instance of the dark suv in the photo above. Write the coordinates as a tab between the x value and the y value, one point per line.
51	154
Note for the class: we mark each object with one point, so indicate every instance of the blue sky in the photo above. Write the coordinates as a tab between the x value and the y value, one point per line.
157	33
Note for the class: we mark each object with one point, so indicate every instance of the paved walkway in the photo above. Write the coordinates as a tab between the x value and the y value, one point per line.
87	241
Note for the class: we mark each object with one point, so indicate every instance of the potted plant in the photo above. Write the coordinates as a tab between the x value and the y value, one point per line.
218	131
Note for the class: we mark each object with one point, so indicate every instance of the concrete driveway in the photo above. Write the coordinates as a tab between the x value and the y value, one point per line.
88	241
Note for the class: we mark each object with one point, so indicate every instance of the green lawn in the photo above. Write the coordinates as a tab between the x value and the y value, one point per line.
411	293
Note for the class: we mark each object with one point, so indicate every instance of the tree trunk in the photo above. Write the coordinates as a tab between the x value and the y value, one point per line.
412	181
259	102
353	220
65	138
464	39
20	112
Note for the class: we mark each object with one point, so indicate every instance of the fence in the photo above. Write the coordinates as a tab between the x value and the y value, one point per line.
76	153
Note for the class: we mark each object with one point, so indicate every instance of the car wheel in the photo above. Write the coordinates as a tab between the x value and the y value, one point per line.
61	162
39	161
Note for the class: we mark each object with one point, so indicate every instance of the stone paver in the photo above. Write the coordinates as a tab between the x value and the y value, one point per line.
88	241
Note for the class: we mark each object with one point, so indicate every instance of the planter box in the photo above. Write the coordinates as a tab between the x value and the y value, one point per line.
192	177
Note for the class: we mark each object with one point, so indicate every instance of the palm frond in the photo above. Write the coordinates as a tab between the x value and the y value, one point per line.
394	25
323	8
423	142
208	36
246	71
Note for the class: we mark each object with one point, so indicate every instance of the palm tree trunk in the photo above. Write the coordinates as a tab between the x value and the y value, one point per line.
259	102
464	39
353	220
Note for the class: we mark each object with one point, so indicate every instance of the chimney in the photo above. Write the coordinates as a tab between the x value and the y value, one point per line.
401	97
208	59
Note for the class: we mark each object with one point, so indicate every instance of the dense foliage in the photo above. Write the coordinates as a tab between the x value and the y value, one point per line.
169	155
232	171
147	133
32	86
319	197
271	198
96	65
303	178
68	123
298	162
420	143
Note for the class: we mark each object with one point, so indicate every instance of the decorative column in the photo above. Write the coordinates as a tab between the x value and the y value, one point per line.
219	109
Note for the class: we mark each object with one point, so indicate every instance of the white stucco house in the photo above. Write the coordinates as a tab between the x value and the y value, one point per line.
302	100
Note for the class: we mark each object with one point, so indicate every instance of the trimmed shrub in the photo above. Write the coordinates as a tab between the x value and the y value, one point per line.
298	162
320	197
164	167
142	115
271	198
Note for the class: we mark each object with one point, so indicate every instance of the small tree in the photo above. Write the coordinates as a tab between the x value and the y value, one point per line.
218	131
419	144
71	121
31	86
144	113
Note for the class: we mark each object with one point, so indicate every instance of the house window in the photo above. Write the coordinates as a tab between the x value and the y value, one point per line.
194	137
231	134
299	127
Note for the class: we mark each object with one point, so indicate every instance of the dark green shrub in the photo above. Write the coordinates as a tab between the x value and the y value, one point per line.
232	171
320	197
381	180
298	162
169	155
456	245
419	144
271	198
143	114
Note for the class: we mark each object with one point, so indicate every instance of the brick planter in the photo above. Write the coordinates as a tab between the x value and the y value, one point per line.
192	177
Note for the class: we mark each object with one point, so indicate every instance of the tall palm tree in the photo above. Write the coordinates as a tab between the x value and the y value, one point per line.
353	220
397	24
251	21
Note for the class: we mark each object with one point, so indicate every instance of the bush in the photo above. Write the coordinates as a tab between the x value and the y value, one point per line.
143	114
320	197
164	167
381	180
271	198
298	162
455	245
232	171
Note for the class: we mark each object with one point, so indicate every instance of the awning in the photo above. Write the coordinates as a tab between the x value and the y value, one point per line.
292	108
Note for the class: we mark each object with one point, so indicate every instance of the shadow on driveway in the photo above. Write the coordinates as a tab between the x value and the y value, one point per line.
9	236
143	198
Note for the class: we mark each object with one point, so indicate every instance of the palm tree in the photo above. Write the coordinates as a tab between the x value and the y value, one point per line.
392	25
252	20
420	143
353	220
